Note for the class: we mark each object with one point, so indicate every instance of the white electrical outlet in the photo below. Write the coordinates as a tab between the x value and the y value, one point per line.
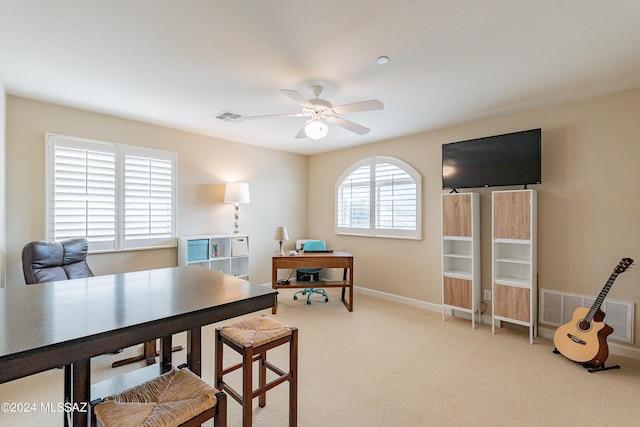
487	294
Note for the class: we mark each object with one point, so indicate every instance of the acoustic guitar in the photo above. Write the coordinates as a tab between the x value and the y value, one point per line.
584	338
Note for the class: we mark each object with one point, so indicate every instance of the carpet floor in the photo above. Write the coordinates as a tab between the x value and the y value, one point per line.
388	364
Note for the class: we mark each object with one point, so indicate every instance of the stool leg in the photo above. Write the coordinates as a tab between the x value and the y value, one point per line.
218	360
262	399
293	383
247	387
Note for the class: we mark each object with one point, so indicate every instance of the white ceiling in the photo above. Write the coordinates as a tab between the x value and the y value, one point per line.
178	63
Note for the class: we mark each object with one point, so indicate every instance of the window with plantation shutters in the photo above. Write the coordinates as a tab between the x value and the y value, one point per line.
379	196
148	197
117	196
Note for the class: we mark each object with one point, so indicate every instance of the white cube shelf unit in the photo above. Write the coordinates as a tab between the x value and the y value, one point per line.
226	253
461	254
514	278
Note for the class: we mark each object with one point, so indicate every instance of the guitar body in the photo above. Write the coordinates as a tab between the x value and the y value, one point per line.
583	342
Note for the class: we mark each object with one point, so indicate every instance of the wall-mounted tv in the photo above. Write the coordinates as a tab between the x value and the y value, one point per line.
493	161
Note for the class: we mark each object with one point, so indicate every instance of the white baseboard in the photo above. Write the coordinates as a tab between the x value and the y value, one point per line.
617	349
402	300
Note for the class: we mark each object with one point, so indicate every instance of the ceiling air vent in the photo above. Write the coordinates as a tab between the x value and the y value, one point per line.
230	116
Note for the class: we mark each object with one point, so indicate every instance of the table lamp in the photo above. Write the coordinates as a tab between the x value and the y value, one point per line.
236	193
281	235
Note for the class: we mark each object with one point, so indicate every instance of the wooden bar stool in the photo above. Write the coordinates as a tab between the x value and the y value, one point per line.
252	339
178	398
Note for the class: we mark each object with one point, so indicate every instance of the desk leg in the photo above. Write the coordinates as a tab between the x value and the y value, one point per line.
351	288
194	350
274	279
81	384
348	304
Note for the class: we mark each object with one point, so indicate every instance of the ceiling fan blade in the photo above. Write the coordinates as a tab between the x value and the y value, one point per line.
270	116
353	127
301	133
372	104
297	97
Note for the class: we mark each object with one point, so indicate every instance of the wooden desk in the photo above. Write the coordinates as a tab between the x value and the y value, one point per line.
336	259
66	323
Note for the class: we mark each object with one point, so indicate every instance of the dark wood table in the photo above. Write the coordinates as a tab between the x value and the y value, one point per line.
336	259
66	323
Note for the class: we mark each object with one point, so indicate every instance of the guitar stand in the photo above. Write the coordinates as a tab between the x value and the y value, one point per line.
599	368
591	368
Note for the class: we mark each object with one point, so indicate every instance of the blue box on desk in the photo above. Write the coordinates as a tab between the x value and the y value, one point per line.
197	250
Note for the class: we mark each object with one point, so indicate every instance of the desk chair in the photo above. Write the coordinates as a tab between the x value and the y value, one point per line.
45	261
310	246
53	261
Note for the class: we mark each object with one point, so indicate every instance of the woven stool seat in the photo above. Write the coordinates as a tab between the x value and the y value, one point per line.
255	332
168	400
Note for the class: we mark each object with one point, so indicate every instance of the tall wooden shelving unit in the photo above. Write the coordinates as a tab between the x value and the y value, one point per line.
461	254
514	250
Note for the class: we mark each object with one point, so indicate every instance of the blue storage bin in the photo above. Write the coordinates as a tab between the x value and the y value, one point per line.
198	250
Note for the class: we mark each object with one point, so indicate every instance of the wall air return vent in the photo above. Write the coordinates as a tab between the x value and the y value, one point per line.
556	308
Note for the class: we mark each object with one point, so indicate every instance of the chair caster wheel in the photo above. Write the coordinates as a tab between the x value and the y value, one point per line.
308	302
295	297
326	300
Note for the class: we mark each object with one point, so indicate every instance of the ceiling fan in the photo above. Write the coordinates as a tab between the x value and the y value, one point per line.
322	112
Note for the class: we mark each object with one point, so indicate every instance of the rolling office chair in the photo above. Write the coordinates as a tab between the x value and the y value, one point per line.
44	261
310	246
52	261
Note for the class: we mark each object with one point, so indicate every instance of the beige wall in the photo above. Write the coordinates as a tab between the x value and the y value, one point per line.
3	177
277	183
588	202
587	205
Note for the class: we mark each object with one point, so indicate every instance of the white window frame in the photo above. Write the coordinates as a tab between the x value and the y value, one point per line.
119	241
372	230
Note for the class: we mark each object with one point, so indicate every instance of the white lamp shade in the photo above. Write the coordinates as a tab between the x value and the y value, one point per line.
281	234
236	192
316	129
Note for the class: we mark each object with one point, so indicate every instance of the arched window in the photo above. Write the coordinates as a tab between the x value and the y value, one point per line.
379	196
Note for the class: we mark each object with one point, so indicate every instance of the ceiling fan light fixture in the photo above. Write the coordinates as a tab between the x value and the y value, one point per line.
315	129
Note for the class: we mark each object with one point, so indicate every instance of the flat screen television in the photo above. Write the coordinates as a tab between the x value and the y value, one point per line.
493	161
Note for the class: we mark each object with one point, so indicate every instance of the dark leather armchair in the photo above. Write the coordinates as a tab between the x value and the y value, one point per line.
44	261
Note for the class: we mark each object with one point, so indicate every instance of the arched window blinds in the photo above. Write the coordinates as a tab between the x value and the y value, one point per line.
379	196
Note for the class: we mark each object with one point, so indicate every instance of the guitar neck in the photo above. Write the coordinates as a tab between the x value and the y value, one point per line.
603	294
